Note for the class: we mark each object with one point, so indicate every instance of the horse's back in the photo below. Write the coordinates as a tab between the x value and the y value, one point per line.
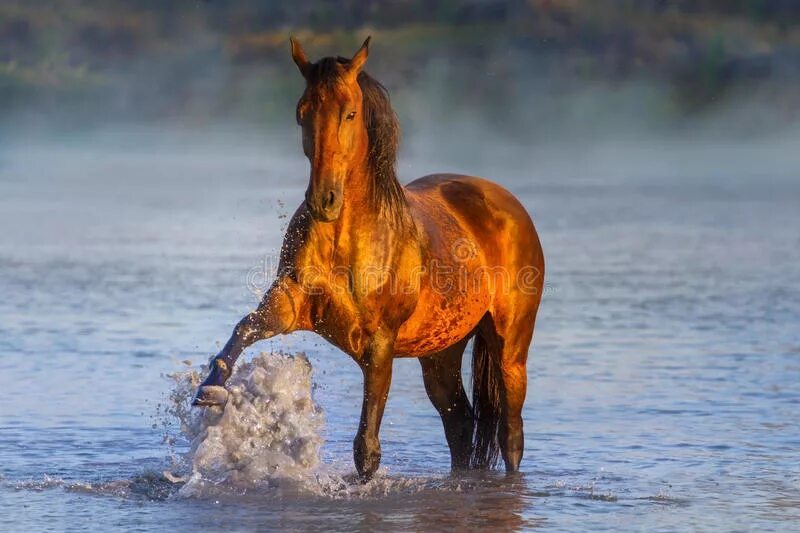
478	246
496	220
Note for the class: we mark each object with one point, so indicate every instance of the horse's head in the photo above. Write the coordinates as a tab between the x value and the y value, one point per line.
335	137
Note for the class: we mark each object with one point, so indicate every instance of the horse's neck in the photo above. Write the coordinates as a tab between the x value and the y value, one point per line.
363	220
369	204
368	219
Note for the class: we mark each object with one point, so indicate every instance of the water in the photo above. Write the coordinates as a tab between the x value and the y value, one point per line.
663	377
268	433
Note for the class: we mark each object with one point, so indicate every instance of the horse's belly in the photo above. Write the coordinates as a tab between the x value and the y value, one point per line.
440	321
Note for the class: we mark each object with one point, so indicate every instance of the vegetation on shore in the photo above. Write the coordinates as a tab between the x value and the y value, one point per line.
156	59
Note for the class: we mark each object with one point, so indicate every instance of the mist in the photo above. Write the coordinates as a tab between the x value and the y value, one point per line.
527	131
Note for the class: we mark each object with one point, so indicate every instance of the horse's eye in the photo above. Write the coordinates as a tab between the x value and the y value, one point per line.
351	115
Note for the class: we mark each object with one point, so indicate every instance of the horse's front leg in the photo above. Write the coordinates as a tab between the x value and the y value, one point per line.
376	364
275	314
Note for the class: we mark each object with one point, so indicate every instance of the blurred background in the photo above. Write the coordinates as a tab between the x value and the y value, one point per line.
536	68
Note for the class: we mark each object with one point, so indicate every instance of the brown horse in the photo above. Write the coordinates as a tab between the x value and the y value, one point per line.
384	271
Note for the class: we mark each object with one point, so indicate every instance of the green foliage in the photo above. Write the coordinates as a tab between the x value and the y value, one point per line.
156	59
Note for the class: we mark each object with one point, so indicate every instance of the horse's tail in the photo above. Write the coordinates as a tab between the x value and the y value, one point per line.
486	405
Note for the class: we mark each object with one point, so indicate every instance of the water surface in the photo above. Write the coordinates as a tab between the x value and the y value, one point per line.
663	375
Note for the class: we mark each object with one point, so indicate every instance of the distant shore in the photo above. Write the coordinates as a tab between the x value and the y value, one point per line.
64	62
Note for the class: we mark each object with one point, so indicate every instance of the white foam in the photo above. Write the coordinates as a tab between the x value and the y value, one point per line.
267	436
268	433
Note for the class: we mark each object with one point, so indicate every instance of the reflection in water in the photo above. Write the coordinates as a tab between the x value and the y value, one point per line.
487	502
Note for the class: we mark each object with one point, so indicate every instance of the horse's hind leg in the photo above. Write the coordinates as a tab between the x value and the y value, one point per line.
513	324
441	373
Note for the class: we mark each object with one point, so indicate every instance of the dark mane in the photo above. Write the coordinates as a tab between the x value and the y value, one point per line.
383	131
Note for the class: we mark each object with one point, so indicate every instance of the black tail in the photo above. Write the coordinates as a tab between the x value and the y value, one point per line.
485	405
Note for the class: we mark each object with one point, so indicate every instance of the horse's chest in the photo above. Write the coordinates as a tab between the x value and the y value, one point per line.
337	320
352	302
358	286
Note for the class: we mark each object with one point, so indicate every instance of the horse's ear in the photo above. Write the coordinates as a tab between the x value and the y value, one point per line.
359	59
299	57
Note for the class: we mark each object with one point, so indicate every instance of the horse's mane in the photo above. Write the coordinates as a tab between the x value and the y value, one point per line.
383	131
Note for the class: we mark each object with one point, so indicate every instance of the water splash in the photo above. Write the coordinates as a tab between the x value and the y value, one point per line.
267	439
267	435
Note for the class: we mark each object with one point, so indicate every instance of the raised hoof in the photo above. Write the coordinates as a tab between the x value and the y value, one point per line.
210	395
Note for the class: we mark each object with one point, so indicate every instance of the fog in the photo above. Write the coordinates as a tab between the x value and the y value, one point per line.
527	132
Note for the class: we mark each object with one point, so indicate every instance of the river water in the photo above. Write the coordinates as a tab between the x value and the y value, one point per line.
664	375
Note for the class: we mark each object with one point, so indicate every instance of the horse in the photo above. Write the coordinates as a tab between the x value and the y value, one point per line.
383	270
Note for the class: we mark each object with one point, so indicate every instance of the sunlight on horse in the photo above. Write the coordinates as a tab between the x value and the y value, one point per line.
382	271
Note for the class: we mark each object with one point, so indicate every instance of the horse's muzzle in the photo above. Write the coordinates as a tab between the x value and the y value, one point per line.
325	204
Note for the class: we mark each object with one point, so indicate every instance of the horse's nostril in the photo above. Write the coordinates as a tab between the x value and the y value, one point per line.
331	199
